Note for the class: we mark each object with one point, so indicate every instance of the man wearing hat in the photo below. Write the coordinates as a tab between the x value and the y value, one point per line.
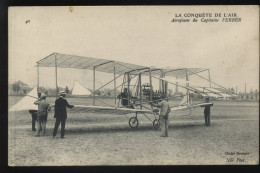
164	115
42	114
207	112
33	112
61	113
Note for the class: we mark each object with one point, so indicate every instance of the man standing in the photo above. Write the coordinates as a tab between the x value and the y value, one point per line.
164	114
207	113
42	114
61	113
34	115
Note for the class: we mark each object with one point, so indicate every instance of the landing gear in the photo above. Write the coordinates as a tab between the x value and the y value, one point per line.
156	124
133	122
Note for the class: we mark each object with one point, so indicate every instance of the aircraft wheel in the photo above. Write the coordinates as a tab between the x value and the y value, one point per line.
156	124
133	122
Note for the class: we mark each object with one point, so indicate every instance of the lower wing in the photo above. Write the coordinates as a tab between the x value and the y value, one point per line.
108	110
189	106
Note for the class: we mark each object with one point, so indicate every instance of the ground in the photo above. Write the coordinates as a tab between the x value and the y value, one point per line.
94	139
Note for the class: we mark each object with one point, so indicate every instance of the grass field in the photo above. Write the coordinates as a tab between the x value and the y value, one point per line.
97	139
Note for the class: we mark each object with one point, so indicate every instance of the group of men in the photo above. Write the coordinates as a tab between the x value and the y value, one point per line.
60	113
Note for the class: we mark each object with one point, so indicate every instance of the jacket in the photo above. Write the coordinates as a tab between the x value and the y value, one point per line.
43	107
60	108
164	106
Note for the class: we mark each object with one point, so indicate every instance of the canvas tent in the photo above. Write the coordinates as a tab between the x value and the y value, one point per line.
80	90
27	102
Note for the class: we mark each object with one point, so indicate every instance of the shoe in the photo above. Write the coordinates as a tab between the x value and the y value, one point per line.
53	137
62	137
34	130
37	135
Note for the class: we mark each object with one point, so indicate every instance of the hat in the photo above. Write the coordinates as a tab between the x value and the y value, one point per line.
62	93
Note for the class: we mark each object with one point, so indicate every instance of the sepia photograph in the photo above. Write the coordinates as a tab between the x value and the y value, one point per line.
133	85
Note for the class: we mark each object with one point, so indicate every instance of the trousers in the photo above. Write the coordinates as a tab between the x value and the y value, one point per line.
34	119
59	121
207	118
164	123
41	123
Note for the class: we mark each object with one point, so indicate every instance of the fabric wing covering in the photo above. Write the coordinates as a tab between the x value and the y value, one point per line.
80	90
107	66
27	102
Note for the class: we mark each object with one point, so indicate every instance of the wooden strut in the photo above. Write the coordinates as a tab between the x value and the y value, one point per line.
94	80
140	87
106	84
128	87
206	79
209	79
56	75
161	82
150	76
118	86
187	85
115	81
121	89
38	80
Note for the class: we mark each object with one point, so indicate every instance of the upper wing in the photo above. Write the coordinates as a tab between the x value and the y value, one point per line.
108	110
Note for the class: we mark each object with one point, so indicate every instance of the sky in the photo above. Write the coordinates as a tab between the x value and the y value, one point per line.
135	34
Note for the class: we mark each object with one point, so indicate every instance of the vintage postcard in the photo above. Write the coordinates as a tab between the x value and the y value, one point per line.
133	85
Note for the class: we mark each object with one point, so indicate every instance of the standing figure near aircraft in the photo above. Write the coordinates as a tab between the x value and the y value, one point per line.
34	116
42	114
61	113
207	113
124	98
164	114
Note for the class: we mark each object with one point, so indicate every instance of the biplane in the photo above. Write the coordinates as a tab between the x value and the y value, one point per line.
138	96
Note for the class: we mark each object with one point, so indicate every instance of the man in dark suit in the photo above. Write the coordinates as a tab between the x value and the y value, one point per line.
61	113
207	113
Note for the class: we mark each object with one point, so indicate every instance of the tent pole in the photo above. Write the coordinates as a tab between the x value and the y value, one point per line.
56	76
94	80
140	80
128	88
160	82
151	89
115	81
209	79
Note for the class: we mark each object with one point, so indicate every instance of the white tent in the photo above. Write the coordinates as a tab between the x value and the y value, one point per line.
79	89
27	102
